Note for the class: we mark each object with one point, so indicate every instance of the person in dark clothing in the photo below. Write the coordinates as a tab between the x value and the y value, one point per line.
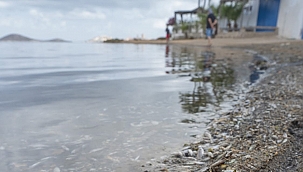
167	34
210	26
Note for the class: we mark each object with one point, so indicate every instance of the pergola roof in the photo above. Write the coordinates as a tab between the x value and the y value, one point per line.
191	12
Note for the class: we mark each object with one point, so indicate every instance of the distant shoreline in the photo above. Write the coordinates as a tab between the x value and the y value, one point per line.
217	42
21	38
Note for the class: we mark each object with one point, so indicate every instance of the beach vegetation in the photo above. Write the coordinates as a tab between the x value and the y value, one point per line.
232	12
185	28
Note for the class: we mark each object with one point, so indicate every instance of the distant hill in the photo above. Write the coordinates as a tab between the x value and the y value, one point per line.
16	37
21	38
56	40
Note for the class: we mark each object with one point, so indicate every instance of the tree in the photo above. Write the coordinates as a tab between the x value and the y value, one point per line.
184	28
236	13
232	12
202	20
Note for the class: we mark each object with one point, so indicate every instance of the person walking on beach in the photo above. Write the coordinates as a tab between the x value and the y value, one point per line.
167	34
210	26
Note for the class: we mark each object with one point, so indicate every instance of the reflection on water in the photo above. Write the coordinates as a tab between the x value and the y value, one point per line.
104	107
210	77
166	51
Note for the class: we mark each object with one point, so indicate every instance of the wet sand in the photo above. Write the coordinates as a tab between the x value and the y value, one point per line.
264	130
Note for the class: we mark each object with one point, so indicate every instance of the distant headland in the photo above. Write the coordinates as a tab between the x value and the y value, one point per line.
21	38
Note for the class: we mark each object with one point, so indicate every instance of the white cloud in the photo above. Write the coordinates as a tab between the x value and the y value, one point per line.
159	23
68	18
63	23
5	22
39	15
88	14
4	4
34	12
11	22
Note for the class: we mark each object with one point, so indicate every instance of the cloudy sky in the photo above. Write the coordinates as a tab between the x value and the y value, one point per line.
80	20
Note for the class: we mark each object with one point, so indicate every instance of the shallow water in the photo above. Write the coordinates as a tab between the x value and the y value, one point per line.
106	107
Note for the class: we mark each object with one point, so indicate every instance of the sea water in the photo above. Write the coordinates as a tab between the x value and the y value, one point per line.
103	107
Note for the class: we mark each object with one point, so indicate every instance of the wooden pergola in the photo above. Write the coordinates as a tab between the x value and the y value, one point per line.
199	9
190	12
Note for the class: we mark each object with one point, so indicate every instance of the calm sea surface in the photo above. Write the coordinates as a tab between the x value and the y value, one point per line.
104	107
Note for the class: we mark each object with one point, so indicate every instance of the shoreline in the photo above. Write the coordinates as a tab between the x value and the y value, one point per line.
264	131
217	42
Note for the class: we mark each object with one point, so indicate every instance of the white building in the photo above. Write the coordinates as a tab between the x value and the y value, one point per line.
99	39
287	15
290	21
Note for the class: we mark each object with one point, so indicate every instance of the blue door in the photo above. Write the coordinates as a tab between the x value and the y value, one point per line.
268	14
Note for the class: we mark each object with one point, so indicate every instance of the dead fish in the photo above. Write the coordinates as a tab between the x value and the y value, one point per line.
190	158
217	163
46	158
252	147
200	153
227	148
34	165
190	152
207	134
185	148
275	137
251	167
199	163
65	148
284	141
57	169
74	151
177	154
96	150
210	154
228	154
113	159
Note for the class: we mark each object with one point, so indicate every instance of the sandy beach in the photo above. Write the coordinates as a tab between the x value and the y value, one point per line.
264	131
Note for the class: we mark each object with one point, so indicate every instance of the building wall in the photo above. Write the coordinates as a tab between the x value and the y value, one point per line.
290	18
249	18
290	21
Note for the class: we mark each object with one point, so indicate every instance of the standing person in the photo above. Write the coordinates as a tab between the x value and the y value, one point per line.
167	34
210	26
